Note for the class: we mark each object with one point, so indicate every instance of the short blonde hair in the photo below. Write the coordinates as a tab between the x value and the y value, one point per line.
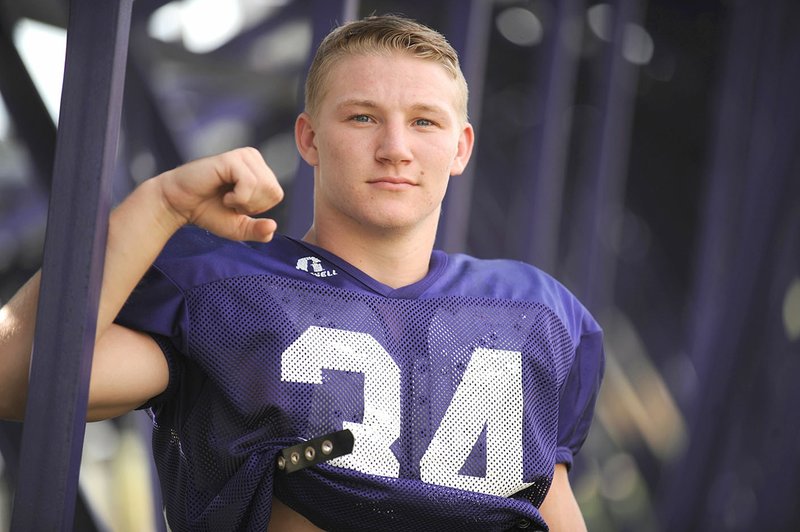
383	35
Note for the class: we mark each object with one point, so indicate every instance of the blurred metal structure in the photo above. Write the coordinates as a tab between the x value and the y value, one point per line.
324	15
602	179
742	468
566	175
26	108
468	27
542	168
80	202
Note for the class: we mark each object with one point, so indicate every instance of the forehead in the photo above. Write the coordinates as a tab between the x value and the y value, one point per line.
390	78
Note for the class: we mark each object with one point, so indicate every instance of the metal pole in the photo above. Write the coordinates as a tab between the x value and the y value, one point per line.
469	29
325	15
538	207
91	103
603	187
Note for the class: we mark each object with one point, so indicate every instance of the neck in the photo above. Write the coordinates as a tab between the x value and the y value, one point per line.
393	258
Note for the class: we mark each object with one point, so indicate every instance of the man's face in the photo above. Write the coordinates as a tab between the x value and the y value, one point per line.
386	139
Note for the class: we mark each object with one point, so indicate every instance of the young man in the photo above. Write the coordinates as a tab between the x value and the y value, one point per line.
467	385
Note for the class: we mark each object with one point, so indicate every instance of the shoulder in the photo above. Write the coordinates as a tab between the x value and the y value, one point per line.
194	256
192	242
513	280
502	279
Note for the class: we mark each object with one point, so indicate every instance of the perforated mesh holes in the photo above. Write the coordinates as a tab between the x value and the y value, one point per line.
453	401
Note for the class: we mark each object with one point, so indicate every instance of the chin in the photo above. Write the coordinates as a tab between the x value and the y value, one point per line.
396	223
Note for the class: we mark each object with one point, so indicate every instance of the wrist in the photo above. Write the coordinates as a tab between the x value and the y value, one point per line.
146	213
157	206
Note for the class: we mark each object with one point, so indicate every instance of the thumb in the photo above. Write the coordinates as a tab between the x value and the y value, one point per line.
256	229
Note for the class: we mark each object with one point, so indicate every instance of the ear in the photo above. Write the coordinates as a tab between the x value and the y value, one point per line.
304	137
466	140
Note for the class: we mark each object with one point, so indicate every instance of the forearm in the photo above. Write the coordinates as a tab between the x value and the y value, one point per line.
137	232
560	509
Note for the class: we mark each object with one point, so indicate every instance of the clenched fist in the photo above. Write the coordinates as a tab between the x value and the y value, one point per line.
222	193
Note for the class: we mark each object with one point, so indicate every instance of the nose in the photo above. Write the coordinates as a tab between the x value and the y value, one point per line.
393	144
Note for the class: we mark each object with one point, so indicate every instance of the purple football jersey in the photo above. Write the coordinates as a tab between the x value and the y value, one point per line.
462	390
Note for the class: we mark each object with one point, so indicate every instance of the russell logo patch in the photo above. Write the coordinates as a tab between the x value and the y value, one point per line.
314	266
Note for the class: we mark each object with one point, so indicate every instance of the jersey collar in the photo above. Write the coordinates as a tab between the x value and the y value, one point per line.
436	267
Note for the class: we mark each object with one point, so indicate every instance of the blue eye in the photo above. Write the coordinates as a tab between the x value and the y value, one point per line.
360	118
424	122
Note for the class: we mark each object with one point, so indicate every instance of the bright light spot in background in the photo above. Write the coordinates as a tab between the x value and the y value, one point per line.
220	135
4	120
205	25
520	26
637	46
791	310
42	48
600	18
620	477
208	24
286	45
636	404
142	166
165	23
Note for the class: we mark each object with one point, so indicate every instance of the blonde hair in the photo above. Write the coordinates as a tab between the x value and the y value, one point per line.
383	34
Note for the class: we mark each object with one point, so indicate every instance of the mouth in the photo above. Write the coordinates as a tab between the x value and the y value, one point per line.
392	183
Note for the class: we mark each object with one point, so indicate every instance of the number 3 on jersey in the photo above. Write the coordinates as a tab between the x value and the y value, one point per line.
489	394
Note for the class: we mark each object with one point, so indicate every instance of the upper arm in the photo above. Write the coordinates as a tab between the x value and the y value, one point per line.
128	369
560	509
579	395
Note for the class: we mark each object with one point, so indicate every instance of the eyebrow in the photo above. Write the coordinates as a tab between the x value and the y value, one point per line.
369	104
356	103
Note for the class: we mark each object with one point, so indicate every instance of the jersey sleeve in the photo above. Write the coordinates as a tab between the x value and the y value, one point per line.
157	307
579	394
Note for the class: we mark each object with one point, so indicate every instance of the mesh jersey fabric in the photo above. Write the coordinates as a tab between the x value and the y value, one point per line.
462	390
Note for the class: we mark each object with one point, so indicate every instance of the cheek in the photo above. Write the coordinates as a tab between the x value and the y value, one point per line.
333	159
345	151
441	157
443	147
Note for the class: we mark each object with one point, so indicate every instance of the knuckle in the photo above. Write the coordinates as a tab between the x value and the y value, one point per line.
249	152
278	194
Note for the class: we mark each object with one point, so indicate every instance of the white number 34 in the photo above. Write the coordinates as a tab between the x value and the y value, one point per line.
489	395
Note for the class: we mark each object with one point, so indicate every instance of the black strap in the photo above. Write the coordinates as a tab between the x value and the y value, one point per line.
316	450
